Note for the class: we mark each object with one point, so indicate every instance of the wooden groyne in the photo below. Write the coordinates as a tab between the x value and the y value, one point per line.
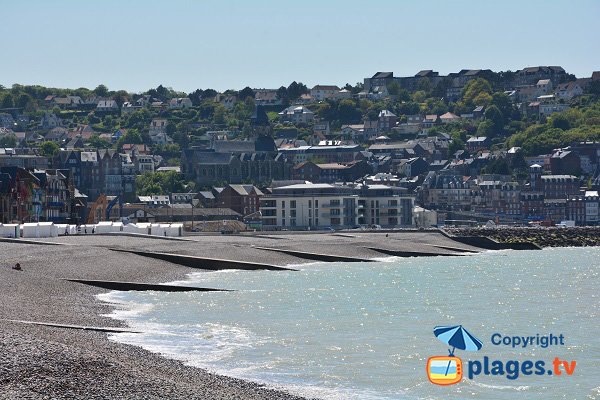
315	256
403	253
137	286
213	264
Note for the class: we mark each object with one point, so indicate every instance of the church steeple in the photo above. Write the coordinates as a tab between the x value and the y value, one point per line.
260	122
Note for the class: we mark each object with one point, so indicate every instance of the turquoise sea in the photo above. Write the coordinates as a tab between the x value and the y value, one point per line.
365	330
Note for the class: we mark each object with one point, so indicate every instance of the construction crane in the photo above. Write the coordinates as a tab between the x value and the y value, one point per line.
100	209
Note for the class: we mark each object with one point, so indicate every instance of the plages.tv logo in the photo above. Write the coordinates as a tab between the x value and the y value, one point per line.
448	370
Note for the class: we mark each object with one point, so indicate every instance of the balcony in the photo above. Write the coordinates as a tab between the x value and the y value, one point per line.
330	215
331	205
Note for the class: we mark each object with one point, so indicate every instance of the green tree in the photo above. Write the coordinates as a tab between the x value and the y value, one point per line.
99	143
23	100
245	93
503	103
498	166
393	88
219	114
455	145
295	90
9	140
7	101
494	115
347	112
477	92
419	96
424	85
101	90
561	122
132	136
151	183
49	149
485	128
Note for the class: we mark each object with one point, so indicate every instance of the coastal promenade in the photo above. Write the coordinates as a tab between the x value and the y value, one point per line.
61	362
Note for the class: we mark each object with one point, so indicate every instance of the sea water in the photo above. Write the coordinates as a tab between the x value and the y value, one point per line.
365	330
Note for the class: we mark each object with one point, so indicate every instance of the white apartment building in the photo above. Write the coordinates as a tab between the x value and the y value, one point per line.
322	206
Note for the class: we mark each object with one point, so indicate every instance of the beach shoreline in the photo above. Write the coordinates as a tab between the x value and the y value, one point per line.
50	362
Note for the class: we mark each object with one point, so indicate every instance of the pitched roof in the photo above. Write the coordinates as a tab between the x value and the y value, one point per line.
214	158
449	115
386	113
326	87
233	146
382	75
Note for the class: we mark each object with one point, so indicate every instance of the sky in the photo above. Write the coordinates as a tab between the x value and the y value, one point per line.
136	45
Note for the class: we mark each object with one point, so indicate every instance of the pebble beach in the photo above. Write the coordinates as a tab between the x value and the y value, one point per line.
42	362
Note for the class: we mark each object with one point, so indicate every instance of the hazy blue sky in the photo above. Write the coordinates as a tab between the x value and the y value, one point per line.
136	45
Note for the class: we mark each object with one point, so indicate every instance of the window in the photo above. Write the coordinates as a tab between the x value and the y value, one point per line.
317	204
292	213
282	213
293	204
309	204
283	204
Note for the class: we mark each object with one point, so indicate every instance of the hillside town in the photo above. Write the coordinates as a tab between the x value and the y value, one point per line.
471	147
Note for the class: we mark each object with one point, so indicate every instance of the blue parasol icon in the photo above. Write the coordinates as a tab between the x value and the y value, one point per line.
457	337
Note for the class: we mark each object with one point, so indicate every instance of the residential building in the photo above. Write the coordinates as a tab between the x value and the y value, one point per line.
478	143
129	107
324	92
22	159
583	208
183	198
331	172
531	75
565	162
322	153
379	80
243	199
558	186
19	195
497	195
317	206
413	166
157	200
545	109
446	190
57	196
107	106
180	103
158	131
386	120
267	97
568	90
297	115
50	121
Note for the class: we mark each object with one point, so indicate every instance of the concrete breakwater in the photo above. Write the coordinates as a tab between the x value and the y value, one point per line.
543	237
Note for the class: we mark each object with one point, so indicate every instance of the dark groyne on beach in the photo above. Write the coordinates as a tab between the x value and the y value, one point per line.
523	238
